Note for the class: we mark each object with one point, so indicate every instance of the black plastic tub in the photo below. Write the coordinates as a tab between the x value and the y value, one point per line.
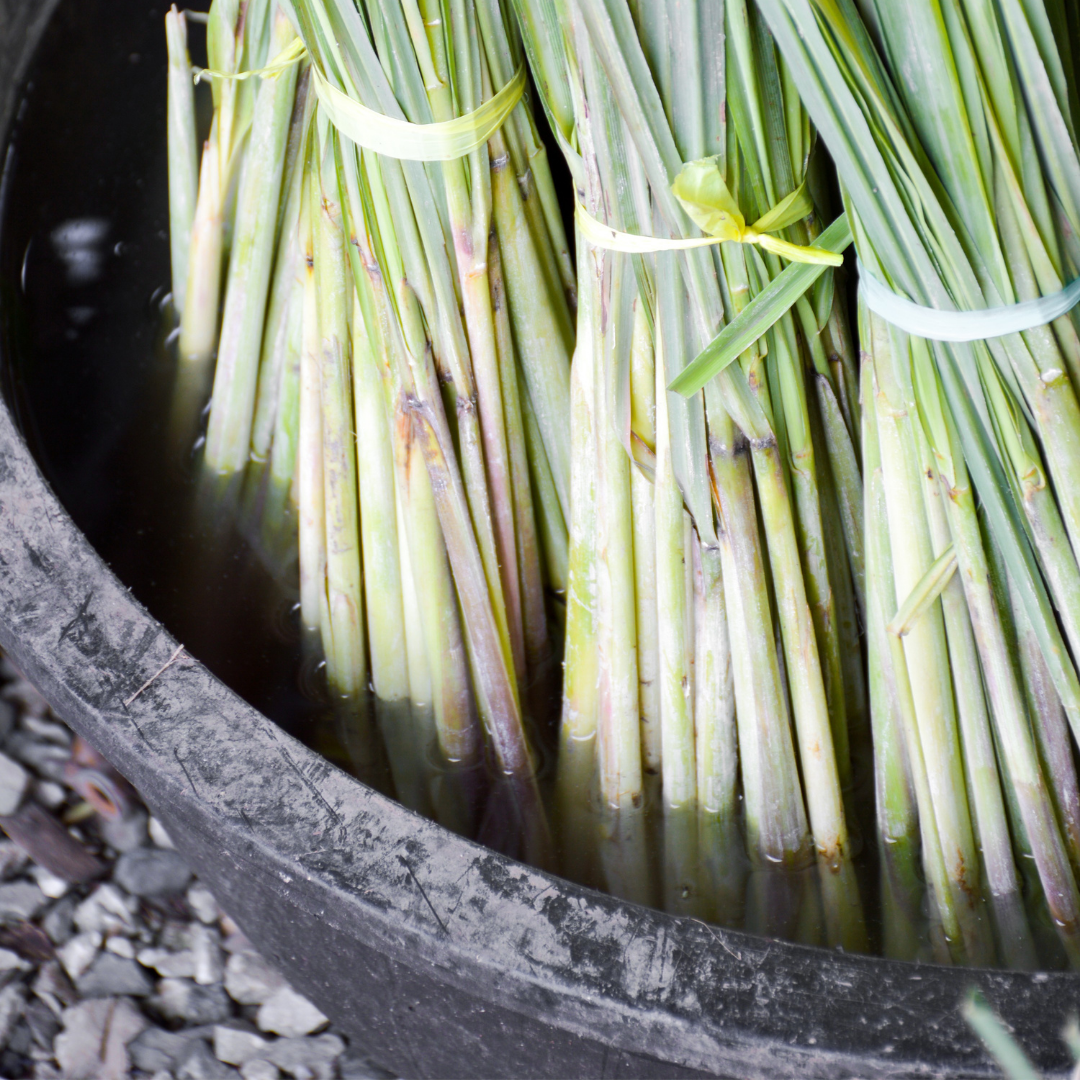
443	958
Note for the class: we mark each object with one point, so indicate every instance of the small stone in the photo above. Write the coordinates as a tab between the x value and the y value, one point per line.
47	730
259	1069
59	920
152	872
14	781
26	694
20	900
42	1022
52	886
307	1059
202	903
93	1044
249	979
207	954
125	833
12	1002
20	1042
159	835
50	794
228	927
174	935
113	976
290	1014
78	954
234	1045
121	946
11	963
54	987
157	1048
45	758
107	911
12	859
196	1062
182	999
180	965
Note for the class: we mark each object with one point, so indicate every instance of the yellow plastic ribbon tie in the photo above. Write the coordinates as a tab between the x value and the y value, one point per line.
444	141
701	190
291	54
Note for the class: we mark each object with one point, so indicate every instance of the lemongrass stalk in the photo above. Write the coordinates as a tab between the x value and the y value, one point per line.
226	35
1002	678
309	464
345	651
534	614
439	667
275	334
850	608
902	884
581	678
283	445
228	437
676	699
541	345
716	741
923	652
1016	948
775	818
183	153
198	320
618	745
383	604
643	428
1051	732
550	519
404	729
803	471
530	155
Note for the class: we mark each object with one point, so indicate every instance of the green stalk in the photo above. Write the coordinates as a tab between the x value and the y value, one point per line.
676	697
923	650
309	465
228	437
1016	948
183	153
276	331
345	652
580	703
283	446
897	808
534	614
1002	678
199	317
1051	733
643	428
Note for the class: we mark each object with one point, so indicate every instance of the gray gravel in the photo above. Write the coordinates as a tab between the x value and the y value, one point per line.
115	963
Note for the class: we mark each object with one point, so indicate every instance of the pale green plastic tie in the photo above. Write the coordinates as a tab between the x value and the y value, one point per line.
937	325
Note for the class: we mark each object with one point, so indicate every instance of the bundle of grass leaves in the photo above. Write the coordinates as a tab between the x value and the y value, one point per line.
813	592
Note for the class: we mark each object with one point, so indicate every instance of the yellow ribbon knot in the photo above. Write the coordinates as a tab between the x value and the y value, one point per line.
703	194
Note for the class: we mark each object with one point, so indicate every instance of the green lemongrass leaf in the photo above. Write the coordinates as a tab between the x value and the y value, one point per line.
787	211
760	314
983	1020
929	588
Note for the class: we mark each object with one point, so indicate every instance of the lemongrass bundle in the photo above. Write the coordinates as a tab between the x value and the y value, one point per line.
394	345
960	176
744	632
